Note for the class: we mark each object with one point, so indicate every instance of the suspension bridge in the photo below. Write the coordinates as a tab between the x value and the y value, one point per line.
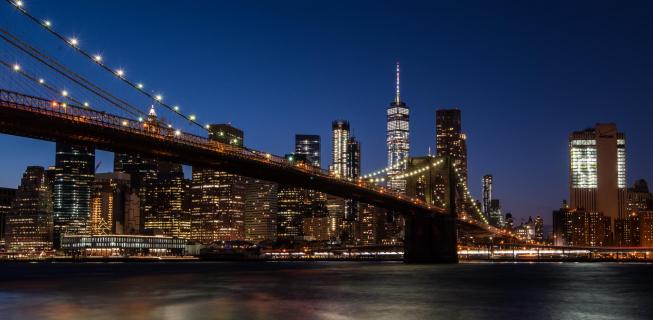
42	98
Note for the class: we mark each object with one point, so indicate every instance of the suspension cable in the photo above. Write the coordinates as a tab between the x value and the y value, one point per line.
96	59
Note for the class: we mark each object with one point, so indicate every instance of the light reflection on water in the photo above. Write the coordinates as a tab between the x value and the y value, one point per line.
333	290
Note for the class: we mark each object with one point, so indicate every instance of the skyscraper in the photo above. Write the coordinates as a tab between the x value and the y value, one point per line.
260	210
29	225
218	198
398	143
450	141
487	194
339	154
597	158
308	145
165	196
72	189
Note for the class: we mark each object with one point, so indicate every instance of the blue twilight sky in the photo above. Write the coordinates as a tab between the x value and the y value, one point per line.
524	73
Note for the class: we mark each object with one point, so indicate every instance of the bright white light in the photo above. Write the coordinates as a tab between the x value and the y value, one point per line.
191	117
124	122
16	67
64	104
139	85
97	58
177	132
169	125
120	72
47	23
18	3
74	41
140	119
86	104
41	81
207	126
64	93
158	97
176	108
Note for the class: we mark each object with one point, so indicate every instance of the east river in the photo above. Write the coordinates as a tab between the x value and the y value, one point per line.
326	290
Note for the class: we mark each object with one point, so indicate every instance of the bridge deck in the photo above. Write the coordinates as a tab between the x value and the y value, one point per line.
45	119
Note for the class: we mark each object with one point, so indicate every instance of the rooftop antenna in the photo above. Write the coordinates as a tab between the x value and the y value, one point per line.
397	100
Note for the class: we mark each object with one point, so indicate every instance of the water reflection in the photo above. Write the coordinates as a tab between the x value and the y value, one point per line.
325	291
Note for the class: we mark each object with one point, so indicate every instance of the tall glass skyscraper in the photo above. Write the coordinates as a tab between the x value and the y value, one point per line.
340	138
75	171
398	143
597	159
487	194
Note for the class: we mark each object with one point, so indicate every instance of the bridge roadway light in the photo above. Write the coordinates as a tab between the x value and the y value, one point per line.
41	81
16	67
191	117
177	132
120	72
18	4
158	97
97	58
47	23
139	85
74	42
64	93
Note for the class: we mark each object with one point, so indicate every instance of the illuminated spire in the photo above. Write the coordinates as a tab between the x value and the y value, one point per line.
397	100
152	112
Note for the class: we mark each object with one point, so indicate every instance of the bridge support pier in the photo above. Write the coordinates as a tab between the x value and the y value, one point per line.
430	239
434	238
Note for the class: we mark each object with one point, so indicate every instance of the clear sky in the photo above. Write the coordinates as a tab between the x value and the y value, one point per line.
524	73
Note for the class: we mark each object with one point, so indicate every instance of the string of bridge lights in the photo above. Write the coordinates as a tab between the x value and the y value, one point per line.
420	170
98	59
468	195
41	82
384	170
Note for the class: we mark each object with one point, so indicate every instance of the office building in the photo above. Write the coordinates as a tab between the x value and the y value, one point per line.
398	138
450	141
217	197
340	142
598	170
260	210
73	179
29	225
308	146
165	212
115	205
7	196
487	194
646	228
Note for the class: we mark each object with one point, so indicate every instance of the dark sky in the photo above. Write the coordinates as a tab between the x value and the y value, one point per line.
524	73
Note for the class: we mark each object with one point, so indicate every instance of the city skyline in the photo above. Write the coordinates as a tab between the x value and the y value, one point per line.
524	196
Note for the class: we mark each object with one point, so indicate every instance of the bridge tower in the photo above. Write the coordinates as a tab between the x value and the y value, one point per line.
433	238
